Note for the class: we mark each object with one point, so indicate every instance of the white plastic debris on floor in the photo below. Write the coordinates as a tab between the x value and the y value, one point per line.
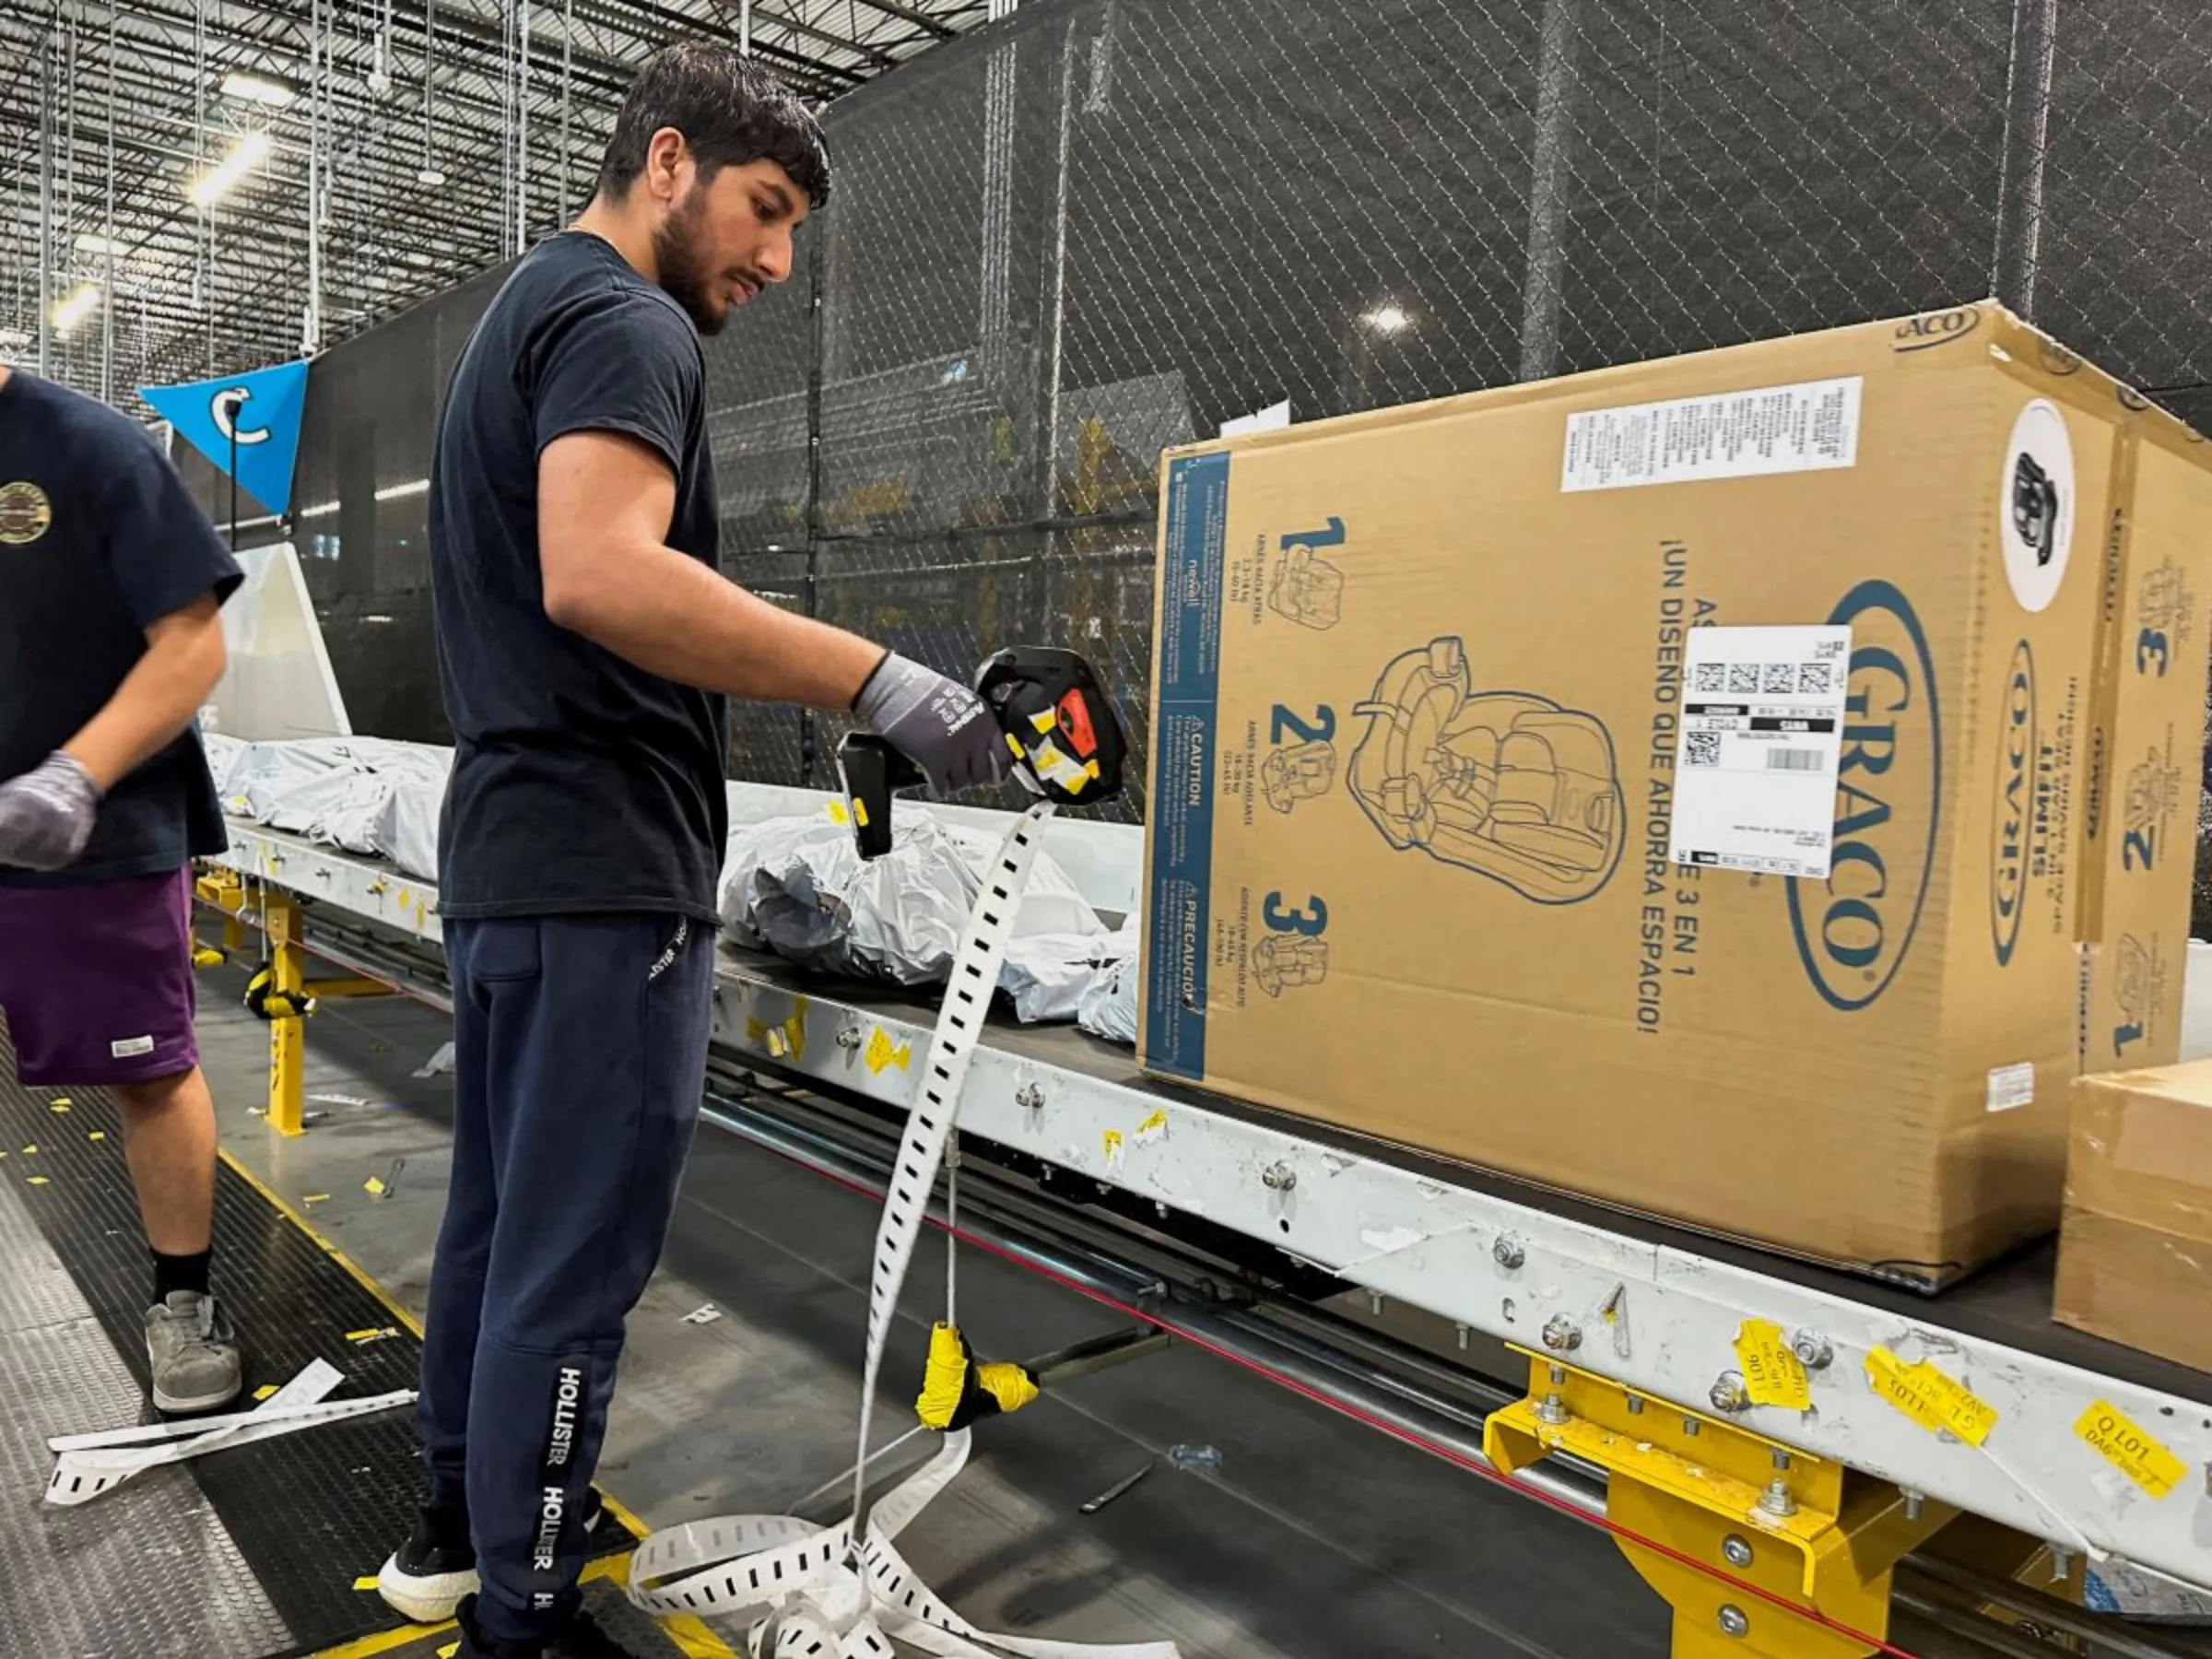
371	796
799	888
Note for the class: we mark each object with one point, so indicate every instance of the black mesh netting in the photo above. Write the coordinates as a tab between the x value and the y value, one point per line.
1063	241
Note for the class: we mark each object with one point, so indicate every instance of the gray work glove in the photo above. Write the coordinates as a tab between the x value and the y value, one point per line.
46	813
938	724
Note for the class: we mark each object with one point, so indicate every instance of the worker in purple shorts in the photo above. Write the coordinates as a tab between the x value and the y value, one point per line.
111	581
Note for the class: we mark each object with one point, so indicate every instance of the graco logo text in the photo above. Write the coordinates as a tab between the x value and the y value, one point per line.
2009	810
1855	929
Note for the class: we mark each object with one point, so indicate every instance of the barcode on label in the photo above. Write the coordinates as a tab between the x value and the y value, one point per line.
1793	760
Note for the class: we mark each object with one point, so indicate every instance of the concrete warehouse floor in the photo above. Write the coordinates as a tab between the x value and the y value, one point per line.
1318	1536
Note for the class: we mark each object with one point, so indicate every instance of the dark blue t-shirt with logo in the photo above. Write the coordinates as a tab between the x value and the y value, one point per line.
580	781
98	540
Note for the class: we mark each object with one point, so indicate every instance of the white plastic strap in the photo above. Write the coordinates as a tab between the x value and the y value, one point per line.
823	1592
91	1465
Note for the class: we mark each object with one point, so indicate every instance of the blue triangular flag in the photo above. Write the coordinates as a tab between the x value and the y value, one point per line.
260	409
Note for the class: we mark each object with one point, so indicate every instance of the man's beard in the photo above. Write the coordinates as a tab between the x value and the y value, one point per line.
684	273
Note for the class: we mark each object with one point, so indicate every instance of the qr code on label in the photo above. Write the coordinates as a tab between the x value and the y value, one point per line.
1711	677
1701	748
1815	679
1781	678
1742	677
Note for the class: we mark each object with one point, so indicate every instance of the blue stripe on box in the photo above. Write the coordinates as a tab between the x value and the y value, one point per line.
1189	653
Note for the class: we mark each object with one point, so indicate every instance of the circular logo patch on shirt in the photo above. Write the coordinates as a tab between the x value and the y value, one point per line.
25	513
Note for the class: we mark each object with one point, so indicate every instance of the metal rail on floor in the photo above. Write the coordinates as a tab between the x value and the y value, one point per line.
1636	1351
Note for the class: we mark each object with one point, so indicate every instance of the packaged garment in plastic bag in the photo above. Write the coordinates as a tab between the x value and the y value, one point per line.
798	887
1050	977
1108	1004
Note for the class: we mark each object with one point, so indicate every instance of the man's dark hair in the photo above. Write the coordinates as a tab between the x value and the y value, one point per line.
730	112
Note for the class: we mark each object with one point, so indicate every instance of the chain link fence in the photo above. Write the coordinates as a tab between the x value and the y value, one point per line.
1058	244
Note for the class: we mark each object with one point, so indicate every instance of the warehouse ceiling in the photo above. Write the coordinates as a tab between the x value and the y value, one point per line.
435	137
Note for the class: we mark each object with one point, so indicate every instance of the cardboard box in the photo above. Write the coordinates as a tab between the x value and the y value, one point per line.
1661	783
2134	1257
2147	743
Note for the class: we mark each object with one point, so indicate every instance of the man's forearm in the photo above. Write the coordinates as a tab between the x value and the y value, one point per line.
674	617
156	699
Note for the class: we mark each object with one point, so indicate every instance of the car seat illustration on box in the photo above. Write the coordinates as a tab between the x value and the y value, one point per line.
1279	963
1506	784
1308	589
1298	771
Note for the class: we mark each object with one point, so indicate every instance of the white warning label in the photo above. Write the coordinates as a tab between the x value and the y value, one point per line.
1762	733
2011	1086
1803	428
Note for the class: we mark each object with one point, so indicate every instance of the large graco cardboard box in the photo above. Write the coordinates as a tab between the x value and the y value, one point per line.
1665	783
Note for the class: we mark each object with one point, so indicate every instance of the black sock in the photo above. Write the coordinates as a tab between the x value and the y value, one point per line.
180	1273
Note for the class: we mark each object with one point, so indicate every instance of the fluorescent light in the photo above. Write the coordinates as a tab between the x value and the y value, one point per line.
247	153
430	177
257	89
76	307
1387	319
390	493
93	242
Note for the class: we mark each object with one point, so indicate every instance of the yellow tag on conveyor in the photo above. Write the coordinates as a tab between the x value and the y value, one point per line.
1929	1397
2106	1431
882	1052
1772	1375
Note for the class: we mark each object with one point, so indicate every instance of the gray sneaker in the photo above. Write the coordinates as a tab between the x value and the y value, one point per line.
194	1353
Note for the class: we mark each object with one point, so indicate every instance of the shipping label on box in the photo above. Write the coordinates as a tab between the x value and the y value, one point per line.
1663	784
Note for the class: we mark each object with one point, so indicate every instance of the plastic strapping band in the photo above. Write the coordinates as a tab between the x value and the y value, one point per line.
91	1465
843	1592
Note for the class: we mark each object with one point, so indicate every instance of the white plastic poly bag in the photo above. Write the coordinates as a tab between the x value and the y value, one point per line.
798	887
1108	1006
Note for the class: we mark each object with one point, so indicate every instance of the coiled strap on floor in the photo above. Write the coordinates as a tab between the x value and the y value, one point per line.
843	1592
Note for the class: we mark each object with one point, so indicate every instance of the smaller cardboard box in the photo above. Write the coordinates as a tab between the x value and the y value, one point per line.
2135	1262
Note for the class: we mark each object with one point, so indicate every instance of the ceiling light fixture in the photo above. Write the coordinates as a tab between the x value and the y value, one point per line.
1387	319
247	153
76	307
99	246
264	90
430	178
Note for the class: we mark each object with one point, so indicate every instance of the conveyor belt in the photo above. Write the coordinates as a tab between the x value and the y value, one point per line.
1657	1310
2008	1302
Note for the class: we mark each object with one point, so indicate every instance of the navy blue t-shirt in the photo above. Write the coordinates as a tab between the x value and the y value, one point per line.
98	540
580	781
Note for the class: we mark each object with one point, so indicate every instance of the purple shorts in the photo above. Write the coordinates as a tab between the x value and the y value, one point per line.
96	981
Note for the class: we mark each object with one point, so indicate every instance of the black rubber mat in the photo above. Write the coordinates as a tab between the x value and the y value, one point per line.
311	1513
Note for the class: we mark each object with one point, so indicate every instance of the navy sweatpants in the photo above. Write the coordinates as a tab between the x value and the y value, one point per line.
580	1047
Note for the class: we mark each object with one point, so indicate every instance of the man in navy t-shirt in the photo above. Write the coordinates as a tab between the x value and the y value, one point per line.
111	580
586	641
